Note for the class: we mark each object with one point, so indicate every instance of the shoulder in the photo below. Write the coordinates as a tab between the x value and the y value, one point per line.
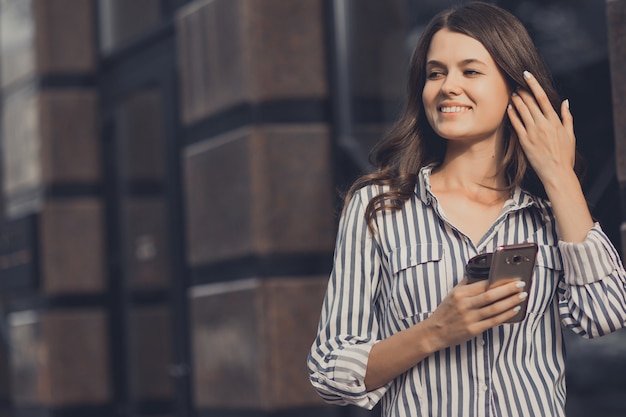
540	220
544	206
369	191
364	194
523	198
384	195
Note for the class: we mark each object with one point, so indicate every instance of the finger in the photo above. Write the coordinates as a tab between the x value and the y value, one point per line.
540	96
516	122
568	124
568	119
474	288
497	294
523	110
500	318
531	104
503	306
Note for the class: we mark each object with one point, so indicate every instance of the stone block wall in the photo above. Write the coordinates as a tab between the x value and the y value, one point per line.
259	198
59	353
259	164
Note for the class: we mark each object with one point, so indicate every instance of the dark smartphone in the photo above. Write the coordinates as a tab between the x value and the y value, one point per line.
512	263
477	268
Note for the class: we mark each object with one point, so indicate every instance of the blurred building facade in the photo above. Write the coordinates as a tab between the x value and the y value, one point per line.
169	198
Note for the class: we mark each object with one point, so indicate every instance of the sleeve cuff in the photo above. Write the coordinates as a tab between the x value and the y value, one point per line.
347	378
588	261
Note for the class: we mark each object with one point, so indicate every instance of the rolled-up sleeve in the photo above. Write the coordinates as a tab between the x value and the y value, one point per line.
593	289
348	325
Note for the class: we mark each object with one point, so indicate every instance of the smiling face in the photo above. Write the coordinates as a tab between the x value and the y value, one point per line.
465	95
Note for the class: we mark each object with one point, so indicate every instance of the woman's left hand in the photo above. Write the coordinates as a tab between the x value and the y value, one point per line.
547	140
550	146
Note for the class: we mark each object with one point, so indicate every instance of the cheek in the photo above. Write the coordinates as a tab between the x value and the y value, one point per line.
428	100
499	96
427	94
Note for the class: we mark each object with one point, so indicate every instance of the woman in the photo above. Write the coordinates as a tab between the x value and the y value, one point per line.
479	158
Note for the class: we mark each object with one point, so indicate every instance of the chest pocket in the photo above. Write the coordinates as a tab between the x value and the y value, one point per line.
419	281
546	280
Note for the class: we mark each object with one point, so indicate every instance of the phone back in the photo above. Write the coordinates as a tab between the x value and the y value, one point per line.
514	262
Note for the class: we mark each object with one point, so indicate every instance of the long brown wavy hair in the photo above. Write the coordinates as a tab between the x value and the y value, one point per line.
412	144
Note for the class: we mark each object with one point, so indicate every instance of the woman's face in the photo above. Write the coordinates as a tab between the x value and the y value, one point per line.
465	95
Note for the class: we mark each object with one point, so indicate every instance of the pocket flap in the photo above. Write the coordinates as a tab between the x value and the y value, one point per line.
407	256
549	257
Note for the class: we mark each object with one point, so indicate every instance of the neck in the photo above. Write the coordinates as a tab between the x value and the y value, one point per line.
473	166
472	172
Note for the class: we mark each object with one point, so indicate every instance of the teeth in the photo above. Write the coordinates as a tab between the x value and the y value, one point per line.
454	109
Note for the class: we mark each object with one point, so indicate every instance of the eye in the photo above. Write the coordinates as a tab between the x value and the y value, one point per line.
433	75
471	73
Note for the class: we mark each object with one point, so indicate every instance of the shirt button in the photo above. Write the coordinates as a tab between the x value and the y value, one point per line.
482	342
484	388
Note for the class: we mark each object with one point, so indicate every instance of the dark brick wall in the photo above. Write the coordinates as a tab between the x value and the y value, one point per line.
59	357
258	189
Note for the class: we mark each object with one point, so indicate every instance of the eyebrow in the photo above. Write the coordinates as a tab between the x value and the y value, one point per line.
464	62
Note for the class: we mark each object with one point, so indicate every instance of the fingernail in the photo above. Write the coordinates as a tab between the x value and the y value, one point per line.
520	284
526	74
509	107
523	295
567	103
517	308
514	93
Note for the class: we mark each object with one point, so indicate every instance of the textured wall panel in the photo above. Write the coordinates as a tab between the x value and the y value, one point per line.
70	148
151	353
250	343
59	358
76	346
245	51
262	190
72	246
65	36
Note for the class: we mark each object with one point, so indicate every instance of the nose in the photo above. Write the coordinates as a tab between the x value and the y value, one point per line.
451	84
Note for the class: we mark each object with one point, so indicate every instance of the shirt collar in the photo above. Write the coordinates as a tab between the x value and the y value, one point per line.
423	188
519	198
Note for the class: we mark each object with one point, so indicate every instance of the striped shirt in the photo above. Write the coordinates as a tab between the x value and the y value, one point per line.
387	282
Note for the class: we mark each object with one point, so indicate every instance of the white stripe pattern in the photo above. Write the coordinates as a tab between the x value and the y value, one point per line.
384	283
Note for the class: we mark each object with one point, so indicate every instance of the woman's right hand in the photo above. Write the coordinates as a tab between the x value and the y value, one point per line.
471	309
467	311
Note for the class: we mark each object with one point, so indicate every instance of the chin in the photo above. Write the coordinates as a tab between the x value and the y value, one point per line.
452	135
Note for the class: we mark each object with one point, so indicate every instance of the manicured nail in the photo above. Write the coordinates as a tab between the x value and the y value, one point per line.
514	94
526	74
520	284
517	308
523	295
567	103
509	107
